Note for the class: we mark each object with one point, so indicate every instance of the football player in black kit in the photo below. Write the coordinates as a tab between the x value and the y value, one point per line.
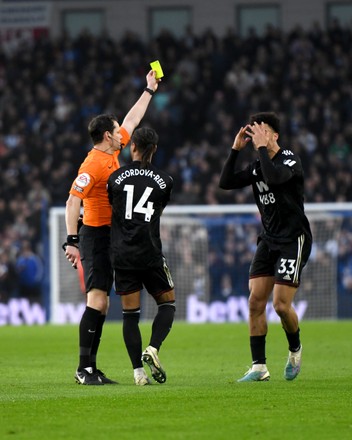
138	193
283	246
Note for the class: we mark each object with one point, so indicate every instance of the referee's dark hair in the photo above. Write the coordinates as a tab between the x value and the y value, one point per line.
145	140
269	118
99	125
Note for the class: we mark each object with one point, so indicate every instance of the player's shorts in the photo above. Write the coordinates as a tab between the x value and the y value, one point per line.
284	261
156	280
94	249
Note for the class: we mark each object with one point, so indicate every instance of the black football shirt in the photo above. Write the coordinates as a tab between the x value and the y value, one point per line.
278	188
138	197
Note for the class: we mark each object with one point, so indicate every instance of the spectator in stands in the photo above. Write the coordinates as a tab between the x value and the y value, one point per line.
8	278
29	268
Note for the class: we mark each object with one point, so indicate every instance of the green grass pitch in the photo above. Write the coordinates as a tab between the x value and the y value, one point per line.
200	399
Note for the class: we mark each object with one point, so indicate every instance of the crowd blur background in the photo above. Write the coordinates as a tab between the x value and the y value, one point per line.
51	87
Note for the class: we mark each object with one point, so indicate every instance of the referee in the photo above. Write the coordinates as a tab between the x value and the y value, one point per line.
92	245
284	245
138	193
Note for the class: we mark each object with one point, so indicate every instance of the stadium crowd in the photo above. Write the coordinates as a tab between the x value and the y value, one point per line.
51	88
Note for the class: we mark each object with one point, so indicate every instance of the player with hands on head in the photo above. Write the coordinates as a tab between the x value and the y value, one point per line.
139	193
92	244
284	244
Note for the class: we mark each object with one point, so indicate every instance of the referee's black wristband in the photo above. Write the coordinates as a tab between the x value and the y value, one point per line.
64	246
150	91
72	239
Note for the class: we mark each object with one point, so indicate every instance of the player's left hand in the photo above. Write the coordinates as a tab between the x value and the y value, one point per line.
241	138
152	82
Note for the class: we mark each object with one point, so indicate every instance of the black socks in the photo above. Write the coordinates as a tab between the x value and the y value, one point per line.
160	329
132	336
294	342
96	341
162	323
87	330
257	344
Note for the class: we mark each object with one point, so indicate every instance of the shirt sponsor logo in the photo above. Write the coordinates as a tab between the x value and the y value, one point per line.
83	180
262	186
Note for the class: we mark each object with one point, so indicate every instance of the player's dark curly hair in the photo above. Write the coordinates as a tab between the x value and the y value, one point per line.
99	125
269	118
146	140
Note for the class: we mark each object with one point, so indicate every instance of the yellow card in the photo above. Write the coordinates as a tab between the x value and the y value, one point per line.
155	65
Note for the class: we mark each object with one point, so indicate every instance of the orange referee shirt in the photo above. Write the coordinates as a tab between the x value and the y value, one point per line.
90	184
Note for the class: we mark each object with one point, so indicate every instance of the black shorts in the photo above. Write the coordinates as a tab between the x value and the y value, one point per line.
283	261
94	248
156	280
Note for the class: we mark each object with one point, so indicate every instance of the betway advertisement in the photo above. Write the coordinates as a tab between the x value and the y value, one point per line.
19	311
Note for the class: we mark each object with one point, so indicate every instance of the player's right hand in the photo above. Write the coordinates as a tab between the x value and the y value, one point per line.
241	138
